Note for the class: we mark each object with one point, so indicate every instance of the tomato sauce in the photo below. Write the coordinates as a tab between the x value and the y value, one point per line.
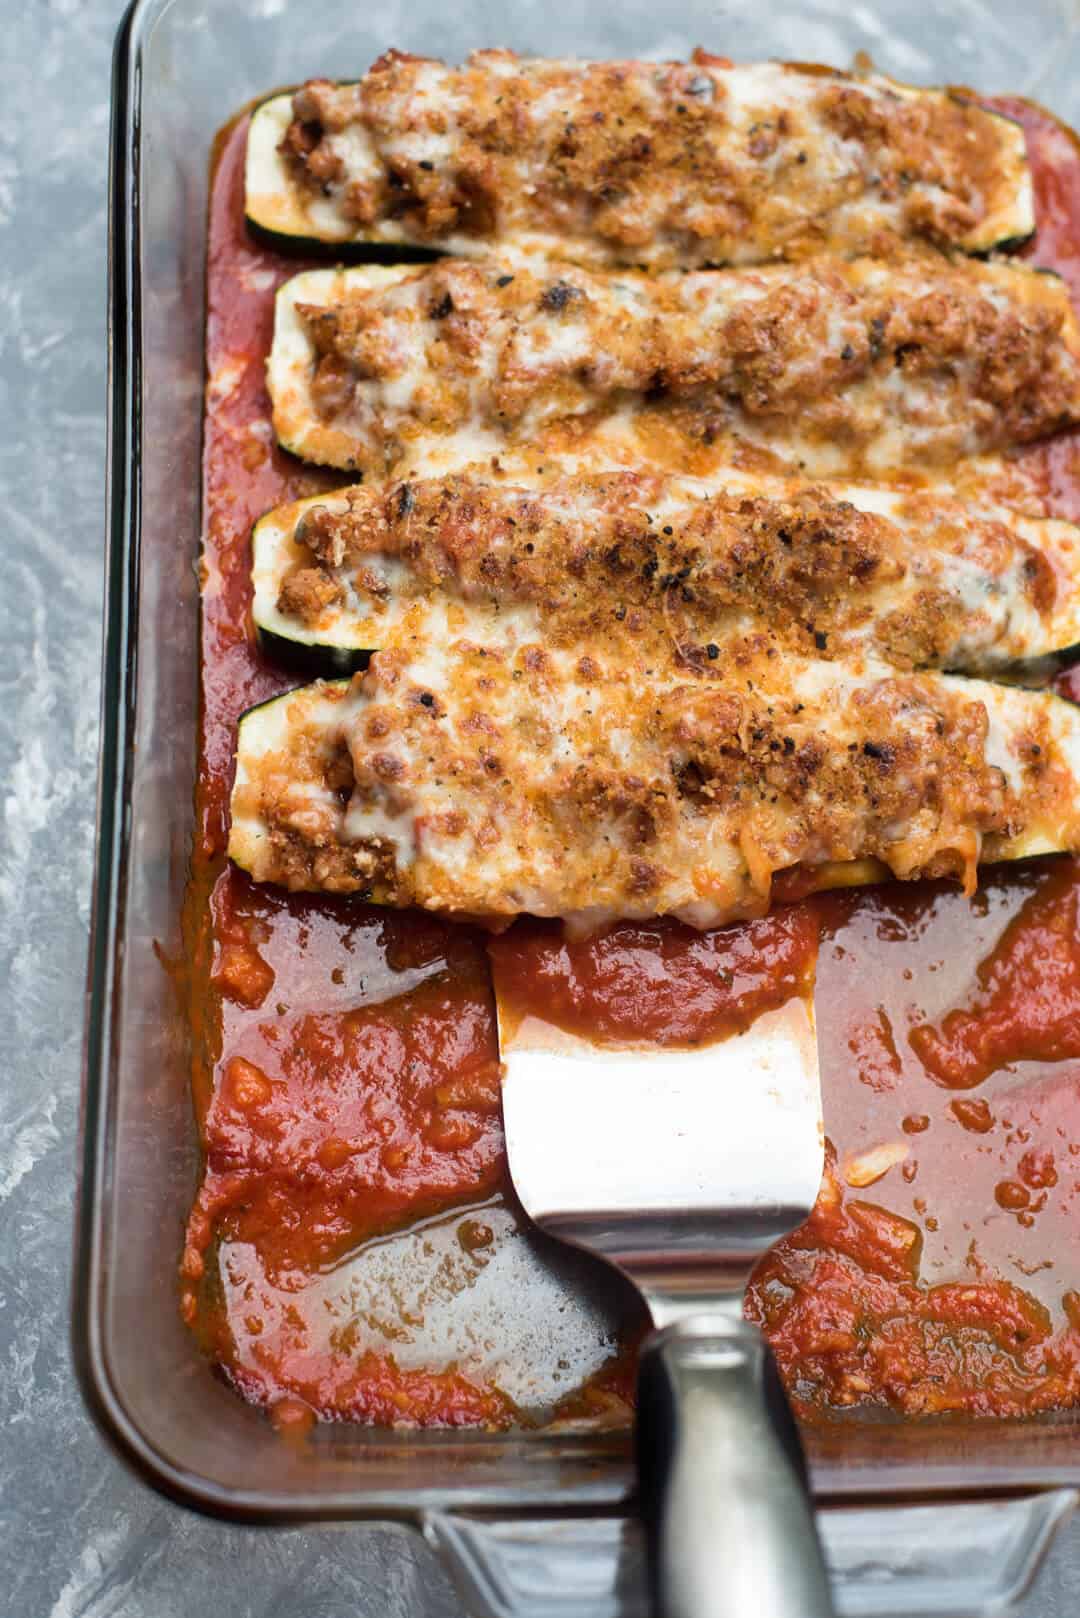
660	984
354	1252
937	1270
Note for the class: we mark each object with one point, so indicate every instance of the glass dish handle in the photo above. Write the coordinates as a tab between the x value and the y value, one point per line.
947	1560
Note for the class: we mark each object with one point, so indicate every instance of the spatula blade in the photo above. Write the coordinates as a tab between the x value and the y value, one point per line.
682	1167
658	1157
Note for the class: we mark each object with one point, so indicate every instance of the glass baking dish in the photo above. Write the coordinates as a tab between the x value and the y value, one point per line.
918	1518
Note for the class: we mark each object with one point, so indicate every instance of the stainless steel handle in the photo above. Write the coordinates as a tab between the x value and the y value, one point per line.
728	1522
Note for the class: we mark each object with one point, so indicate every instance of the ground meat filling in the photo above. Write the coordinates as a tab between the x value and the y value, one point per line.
833	580
306	592
504	775
651	162
920	360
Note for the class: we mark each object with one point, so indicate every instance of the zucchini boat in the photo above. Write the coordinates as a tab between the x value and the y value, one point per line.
494	779
840	369
664	165
918	579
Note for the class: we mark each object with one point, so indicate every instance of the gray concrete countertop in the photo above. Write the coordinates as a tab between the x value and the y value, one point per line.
79	1536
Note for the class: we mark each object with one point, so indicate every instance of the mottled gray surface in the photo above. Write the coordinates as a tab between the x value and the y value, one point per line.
79	1537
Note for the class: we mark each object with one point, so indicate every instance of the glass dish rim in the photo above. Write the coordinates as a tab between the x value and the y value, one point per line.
99	1097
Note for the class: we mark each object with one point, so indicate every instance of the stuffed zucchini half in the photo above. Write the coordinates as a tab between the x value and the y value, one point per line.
838	369
665	165
918	580
500	779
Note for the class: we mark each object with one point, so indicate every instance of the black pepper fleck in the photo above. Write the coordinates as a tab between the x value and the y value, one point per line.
557	296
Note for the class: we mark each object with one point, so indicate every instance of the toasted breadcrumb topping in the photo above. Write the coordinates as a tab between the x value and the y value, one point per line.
491	770
919	582
916	361
654	163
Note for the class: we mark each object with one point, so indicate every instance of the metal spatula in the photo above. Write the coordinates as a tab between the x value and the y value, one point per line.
682	1168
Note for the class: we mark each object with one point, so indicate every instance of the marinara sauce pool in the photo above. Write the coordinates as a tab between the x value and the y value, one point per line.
353	1251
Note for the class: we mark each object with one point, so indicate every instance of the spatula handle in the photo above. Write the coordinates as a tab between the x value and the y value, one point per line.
729	1525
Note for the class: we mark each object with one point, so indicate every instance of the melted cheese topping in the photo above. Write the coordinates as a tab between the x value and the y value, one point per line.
606	691
478	767
838	368
917	579
660	164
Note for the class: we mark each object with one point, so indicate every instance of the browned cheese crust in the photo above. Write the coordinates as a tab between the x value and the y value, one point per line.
615	778
658	163
917	361
832	580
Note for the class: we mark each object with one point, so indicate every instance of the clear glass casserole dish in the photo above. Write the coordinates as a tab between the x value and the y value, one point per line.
529	1523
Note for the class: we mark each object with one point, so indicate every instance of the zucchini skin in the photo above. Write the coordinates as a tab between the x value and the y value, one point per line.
312	659
280	696
330	252
357	251
328	660
1037	672
1007	245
